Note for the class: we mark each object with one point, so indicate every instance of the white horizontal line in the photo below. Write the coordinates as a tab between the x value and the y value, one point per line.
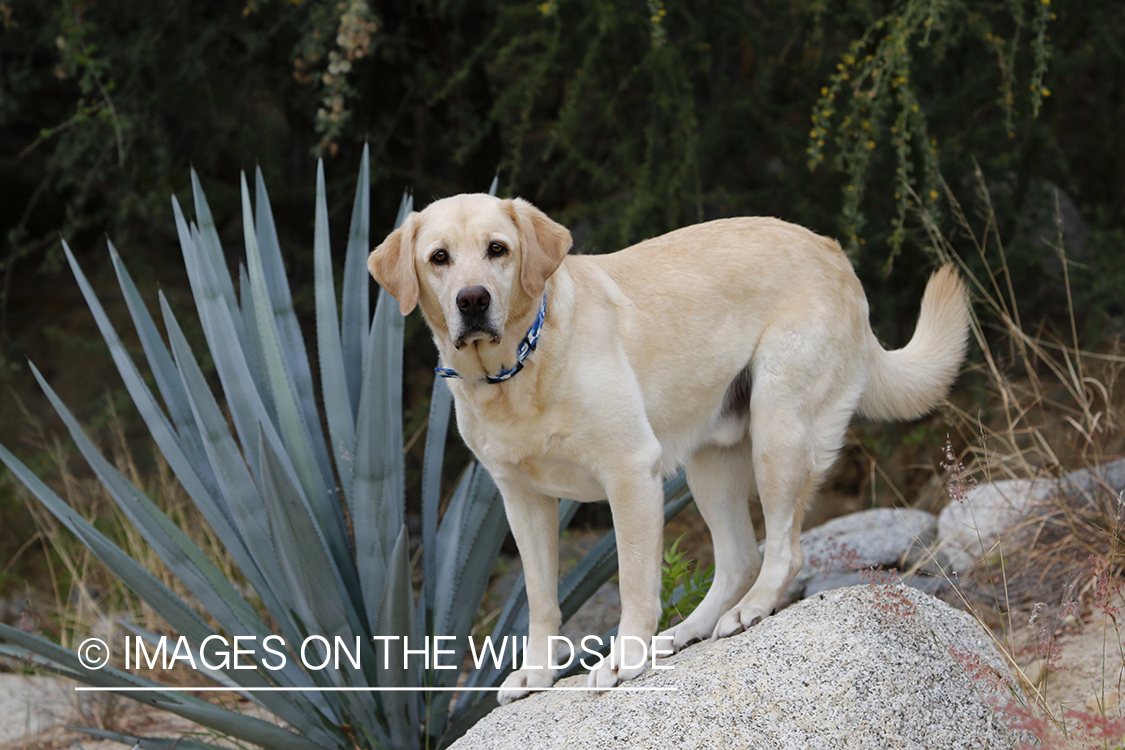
622	688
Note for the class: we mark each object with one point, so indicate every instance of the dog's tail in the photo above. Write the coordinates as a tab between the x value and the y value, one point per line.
908	382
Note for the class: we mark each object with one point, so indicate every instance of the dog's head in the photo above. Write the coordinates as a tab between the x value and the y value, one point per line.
472	261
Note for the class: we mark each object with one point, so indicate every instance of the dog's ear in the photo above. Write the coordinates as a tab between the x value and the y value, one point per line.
543	242
392	265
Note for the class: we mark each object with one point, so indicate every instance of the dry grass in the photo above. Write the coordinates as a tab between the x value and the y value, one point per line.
1053	407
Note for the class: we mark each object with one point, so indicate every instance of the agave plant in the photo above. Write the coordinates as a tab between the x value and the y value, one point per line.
307	499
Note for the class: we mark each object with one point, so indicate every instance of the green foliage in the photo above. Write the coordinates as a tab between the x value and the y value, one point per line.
683	584
599	95
875	91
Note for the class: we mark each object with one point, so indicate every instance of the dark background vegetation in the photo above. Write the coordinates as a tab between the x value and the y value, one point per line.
621	118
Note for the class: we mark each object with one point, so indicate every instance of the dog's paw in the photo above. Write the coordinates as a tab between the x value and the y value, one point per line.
679	637
523	681
738	619
628	659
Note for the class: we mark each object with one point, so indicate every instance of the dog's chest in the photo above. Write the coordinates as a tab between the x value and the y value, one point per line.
534	454
557	477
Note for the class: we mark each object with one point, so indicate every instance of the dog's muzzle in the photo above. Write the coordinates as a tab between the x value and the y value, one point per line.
473	303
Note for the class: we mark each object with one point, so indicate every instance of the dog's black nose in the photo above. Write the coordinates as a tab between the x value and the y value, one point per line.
473	299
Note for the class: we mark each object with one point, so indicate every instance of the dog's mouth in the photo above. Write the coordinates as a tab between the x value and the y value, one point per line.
477	331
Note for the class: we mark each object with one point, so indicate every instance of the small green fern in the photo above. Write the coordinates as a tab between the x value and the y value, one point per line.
683	584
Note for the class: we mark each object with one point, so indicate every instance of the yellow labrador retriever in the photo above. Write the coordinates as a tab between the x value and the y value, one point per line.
738	348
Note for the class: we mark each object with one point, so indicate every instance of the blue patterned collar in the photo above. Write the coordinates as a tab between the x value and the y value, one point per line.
526	347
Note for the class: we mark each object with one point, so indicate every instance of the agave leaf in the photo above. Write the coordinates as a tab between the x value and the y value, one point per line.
386	354
567	510
396	619
513	620
246	504
293	708
377	494
212	248
159	360
255	358
405	206
441	403
248	405
190	471
357	304
186	457
231	472
297	552
278	703
216	675
469	541
224	340
396	608
244	727
315	595
333	379
181	617
146	743
492	188
674	487
319	490
599	564
186	561
34	660
321	602
107	676
288	329
200	486
182	557
164	602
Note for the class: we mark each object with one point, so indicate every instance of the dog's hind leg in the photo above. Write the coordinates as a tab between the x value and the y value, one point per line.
783	470
799	413
721	480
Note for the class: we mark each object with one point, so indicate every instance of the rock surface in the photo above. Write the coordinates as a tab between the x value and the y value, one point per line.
870	538
31	705
864	667
820	584
968	530
36	711
1048	211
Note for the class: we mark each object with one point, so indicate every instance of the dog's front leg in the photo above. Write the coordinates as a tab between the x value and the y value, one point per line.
534	520
636	501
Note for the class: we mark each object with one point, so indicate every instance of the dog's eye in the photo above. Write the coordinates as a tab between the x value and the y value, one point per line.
495	250
440	258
